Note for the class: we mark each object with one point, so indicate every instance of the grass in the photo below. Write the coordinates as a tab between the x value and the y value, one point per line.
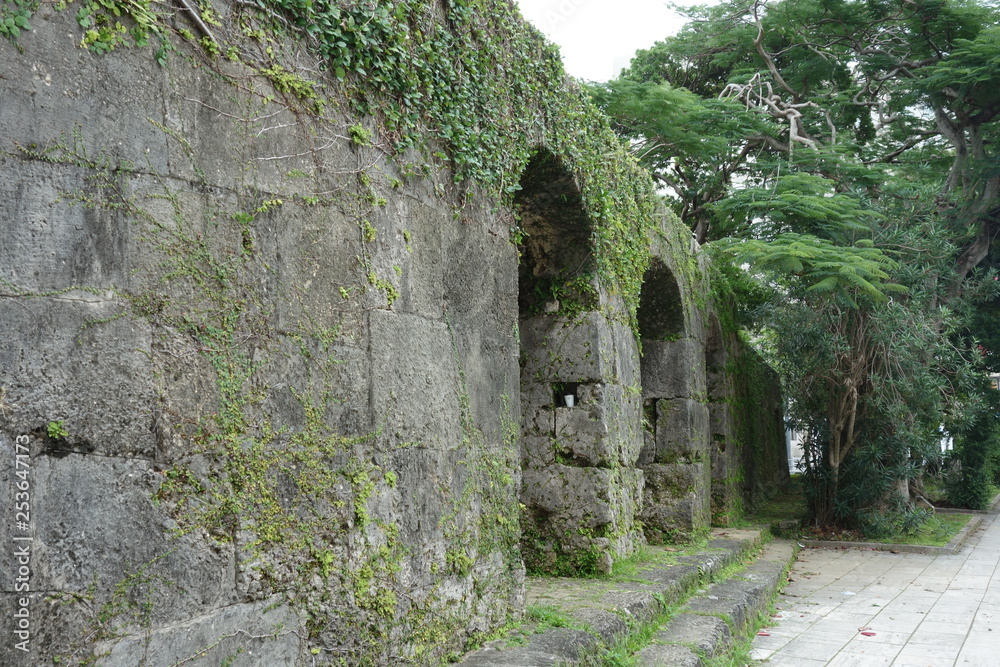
935	532
648	557
548	616
788	505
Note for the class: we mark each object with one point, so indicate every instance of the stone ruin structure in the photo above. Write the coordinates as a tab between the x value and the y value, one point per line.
276	393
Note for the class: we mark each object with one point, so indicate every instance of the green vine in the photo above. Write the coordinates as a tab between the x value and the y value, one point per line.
476	80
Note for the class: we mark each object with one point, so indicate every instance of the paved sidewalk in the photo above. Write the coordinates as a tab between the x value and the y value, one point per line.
923	611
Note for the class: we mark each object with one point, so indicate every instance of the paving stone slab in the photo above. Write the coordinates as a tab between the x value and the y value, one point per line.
705	634
552	647
660	655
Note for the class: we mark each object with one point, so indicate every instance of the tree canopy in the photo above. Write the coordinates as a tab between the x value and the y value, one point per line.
847	150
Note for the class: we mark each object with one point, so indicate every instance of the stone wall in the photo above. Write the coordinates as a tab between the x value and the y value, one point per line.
747	428
285	391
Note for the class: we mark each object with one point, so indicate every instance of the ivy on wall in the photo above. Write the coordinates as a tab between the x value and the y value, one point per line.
471	76
465	76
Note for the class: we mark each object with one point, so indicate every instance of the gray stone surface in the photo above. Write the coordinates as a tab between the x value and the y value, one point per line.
591	431
415	396
563	350
558	646
735	606
681	432
673	506
661	655
243	635
95	381
708	635
576	495
609	626
673	369
198	273
96	532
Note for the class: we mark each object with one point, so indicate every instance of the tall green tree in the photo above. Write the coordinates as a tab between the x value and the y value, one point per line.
847	150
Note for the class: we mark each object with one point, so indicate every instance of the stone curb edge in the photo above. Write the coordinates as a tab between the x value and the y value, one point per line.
711	620
738	598
951	548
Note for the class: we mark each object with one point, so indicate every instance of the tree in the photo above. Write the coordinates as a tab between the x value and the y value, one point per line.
848	150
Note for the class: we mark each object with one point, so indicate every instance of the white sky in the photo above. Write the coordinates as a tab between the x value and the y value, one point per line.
598	38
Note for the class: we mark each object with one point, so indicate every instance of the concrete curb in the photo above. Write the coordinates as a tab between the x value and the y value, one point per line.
951	548
610	610
994	505
708	622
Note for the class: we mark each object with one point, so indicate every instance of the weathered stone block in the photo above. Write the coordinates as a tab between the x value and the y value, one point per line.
82	507
558	349
343	387
242	635
707	634
673	369
421	289
536	394
96	381
65	88
584	517
721	421
675	501
537	451
626	356
627	499
90	245
415	391
668	655
594	432
579	496
480	274
538	420
681	432
582	437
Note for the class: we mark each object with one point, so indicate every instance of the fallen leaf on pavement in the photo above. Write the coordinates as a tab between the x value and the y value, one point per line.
868	634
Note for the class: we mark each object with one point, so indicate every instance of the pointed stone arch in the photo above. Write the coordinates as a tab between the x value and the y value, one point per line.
675	448
579	488
555	247
661	308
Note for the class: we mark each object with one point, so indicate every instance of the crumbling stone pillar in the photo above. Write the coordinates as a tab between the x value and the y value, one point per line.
675	458
675	454
580	488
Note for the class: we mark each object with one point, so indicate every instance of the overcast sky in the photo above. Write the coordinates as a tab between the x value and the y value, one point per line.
599	37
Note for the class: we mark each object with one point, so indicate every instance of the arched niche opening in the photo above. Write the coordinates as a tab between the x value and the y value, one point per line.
564	458
661	310
555	271
675	445
660	318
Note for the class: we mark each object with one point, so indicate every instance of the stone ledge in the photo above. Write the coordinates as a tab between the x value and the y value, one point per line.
607	609
708	622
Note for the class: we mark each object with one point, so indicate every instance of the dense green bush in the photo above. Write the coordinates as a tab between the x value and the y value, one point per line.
973	466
